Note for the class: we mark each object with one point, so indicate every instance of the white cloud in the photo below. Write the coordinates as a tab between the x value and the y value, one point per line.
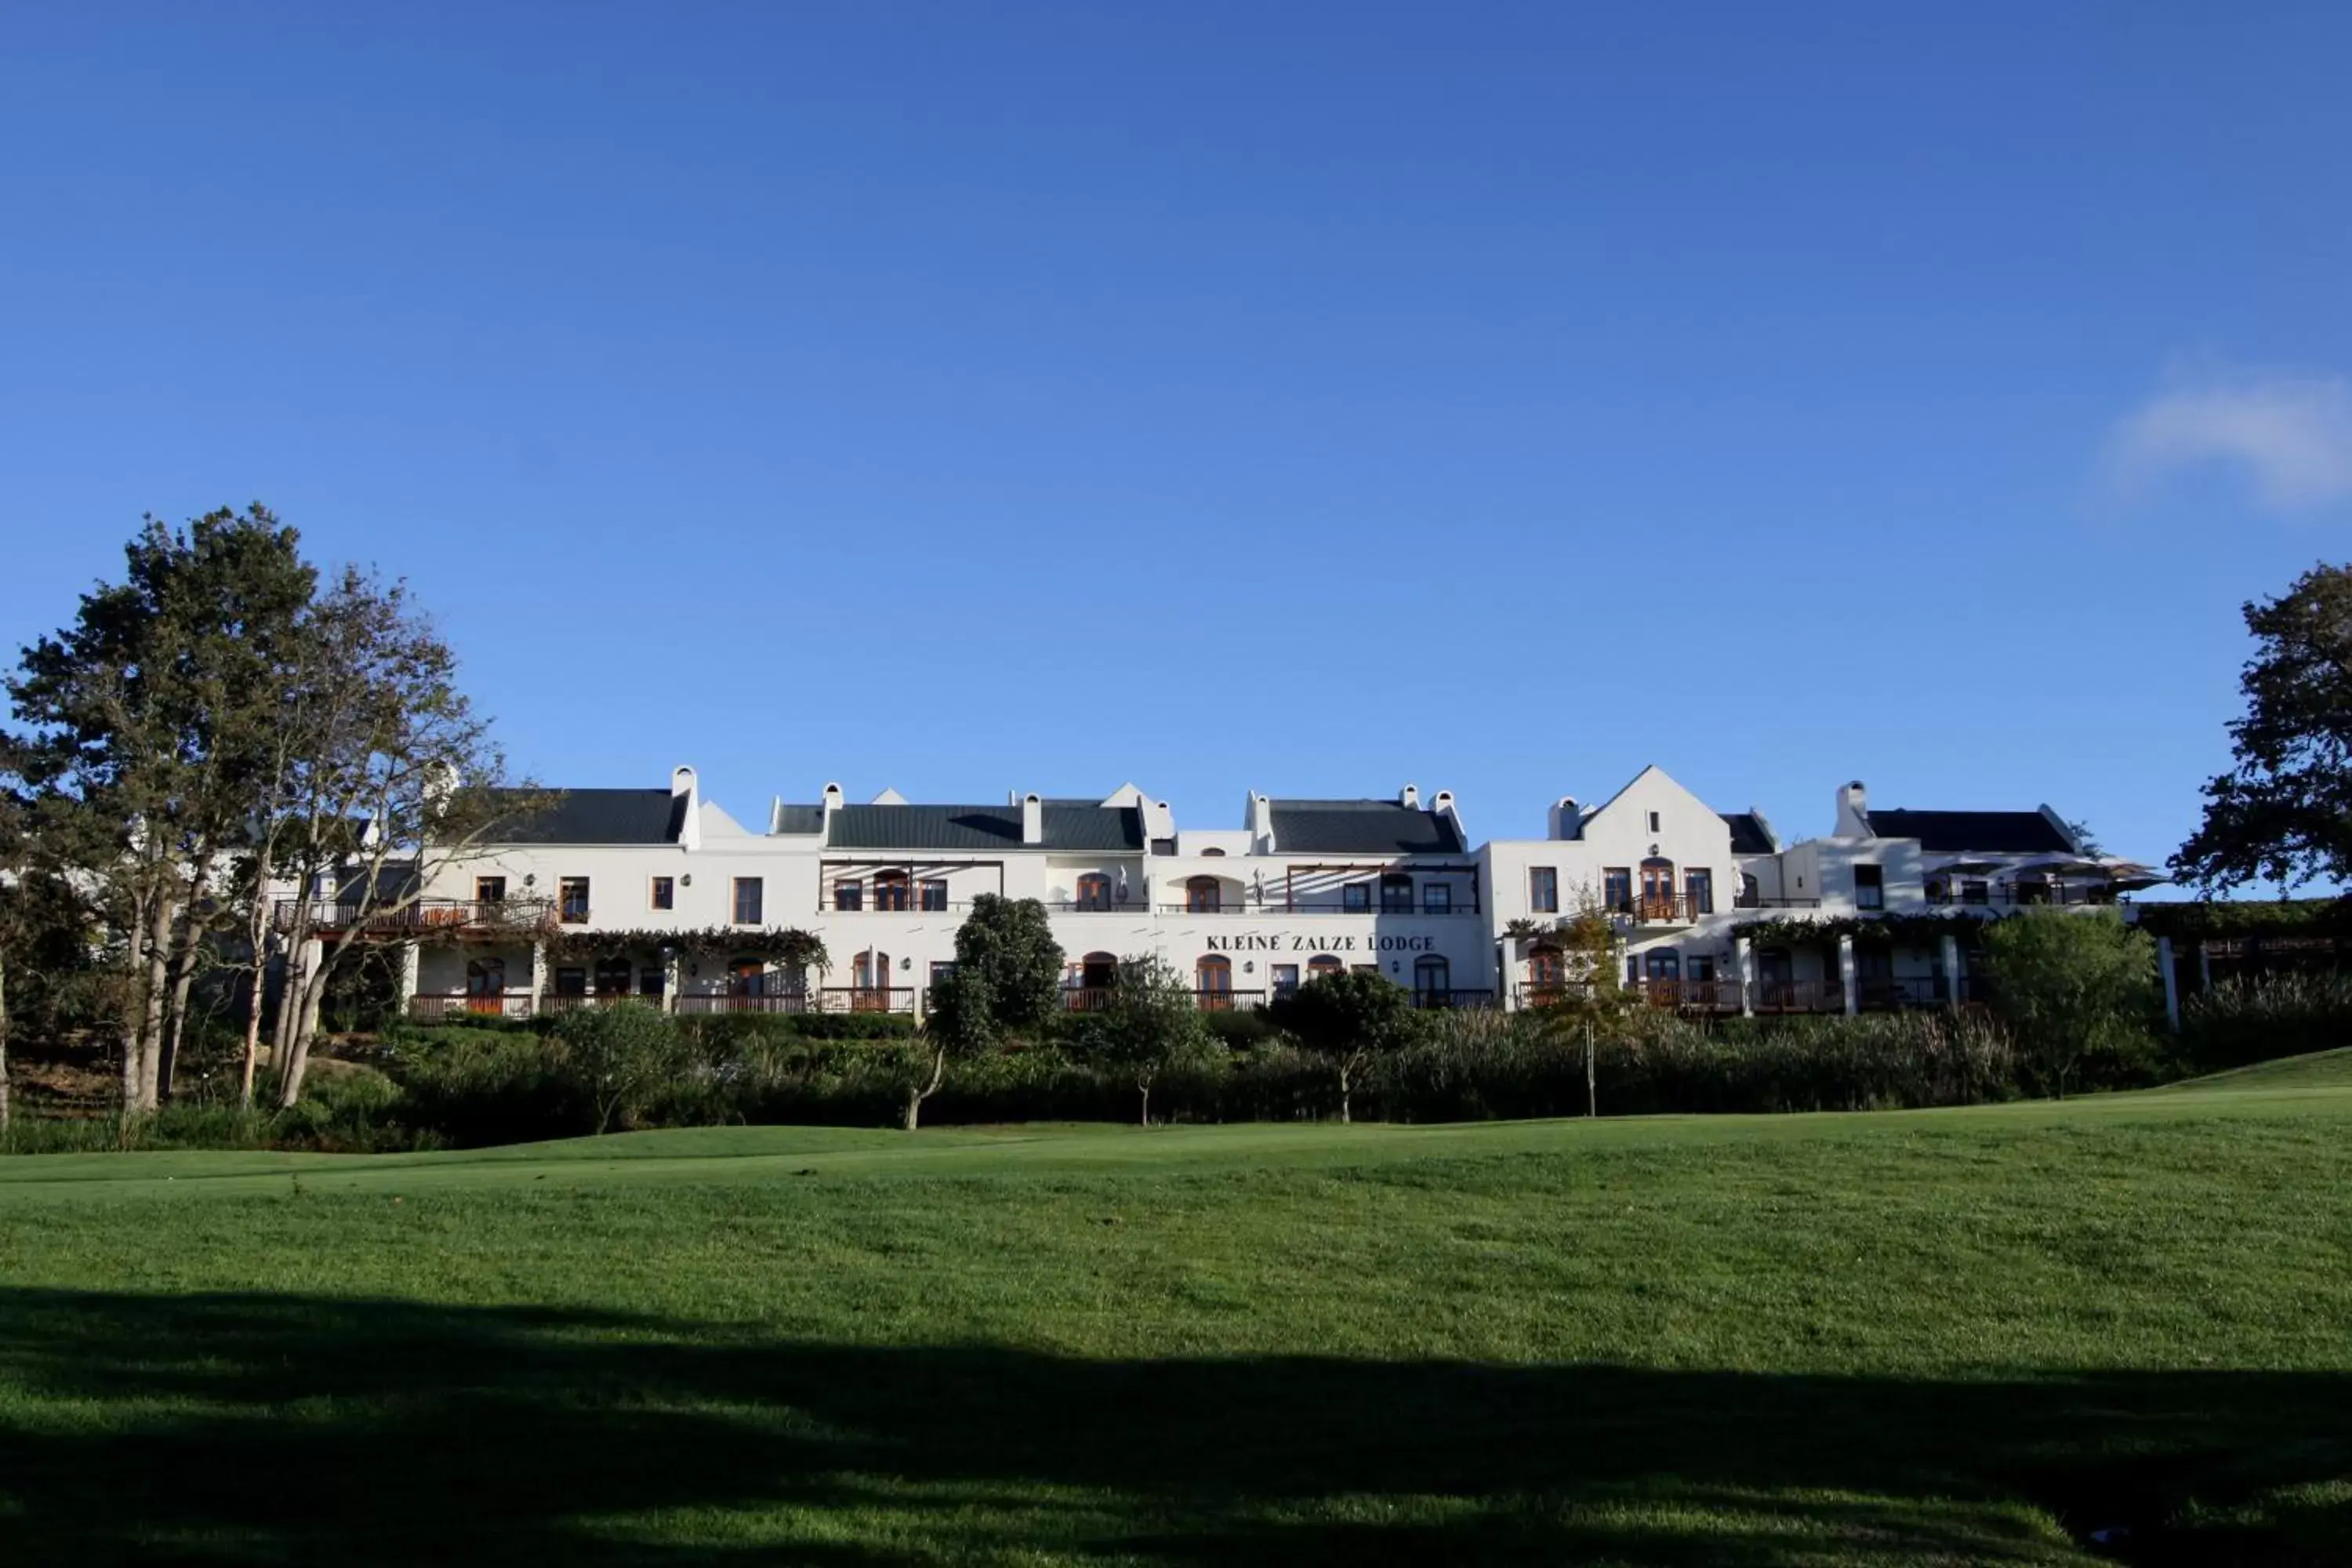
2289	434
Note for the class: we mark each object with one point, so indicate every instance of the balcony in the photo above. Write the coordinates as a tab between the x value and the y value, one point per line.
1710	996
431	1007
557	1003
1217	1000
1441	1001
1800	997
1663	909
707	1003
866	999
327	917
1758	901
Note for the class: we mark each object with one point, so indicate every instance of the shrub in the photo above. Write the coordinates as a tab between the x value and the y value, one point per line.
1351	1020
2078	990
2264	1017
620	1058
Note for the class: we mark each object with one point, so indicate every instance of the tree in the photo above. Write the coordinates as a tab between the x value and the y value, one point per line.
1007	982
617	1053
1148	1026
2072	984
140	726
2283	811
1347	1018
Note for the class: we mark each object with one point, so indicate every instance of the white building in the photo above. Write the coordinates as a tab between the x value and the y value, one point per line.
660	894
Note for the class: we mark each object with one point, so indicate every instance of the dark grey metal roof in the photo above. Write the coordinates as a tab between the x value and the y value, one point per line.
800	818
1361	828
595	816
1747	835
1070	827
1987	832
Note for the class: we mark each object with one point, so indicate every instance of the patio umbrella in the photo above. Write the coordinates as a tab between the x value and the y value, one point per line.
2129	876
1964	869
2064	868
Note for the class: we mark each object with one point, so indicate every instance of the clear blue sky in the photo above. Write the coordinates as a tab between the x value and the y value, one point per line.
1306	398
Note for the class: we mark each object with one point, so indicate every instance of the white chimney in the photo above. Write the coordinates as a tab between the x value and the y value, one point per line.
832	804
683	787
1442	803
1853	812
1568	819
1261	822
1033	820
1410	796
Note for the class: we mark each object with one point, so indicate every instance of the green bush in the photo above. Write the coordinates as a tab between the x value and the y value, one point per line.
2264	1017
2079	991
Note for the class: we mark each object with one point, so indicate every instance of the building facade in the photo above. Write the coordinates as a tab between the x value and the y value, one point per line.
592	895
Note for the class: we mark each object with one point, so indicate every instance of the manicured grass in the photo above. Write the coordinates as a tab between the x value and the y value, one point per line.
1930	1337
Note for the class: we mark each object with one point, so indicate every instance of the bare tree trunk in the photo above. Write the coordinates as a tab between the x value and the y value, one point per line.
177	1028
139	1073
1146	1109
253	1023
305	1029
1344	1093
915	1098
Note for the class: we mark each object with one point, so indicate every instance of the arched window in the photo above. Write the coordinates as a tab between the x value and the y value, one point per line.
872	969
1657	888
1432	980
1396	894
485	985
1210	850
1547	968
1212	978
1662	966
1098	971
1751	894
1203	896
890	890
1321	964
1094	891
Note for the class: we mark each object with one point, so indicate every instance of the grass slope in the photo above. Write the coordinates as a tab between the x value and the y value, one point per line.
1934	1337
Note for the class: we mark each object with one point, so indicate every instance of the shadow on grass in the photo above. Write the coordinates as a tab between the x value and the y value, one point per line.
268	1427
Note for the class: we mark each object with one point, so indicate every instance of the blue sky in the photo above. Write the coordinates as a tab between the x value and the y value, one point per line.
1309	398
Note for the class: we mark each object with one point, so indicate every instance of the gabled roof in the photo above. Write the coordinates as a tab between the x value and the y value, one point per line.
1361	828
1984	832
1748	834
1068	827
594	816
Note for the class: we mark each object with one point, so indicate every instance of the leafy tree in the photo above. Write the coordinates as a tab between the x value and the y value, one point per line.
140	724
1349	1018
1149	1026
2283	811
1007	983
2072	984
618	1053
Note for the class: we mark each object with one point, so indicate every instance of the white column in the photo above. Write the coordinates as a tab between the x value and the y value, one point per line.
1743	955
2171	987
1845	976
2204	968
672	969
1951	970
537	975
410	963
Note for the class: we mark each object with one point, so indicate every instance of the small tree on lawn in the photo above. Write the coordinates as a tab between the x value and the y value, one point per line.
2072	985
619	1054
1150	1027
1006	985
1349	1019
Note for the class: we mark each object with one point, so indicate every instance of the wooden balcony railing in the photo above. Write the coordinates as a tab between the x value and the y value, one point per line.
1085	998
557	1002
1758	901
706	1002
1800	997
1691	995
866	999
1435	1001
1217	1000
327	916
431	1007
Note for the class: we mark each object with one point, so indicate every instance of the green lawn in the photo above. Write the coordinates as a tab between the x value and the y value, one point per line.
1933	1337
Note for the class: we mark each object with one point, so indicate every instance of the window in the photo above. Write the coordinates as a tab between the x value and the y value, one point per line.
490	890
571	982
750	895
665	893
941	968
1356	898
848	894
651	982
1633	969
1203	896
1654	822
1396	894
1286	978
1437	898
1543	889
1617	889
1869	887
1212	851
486	977
1214	978
1974	891
931	895
612	977
1657	888
1701	968
890	890
573	895
747	977
1751	892
1321	964
1698	890
1094	891
1164	846
1546	967
1667	966
1098	971
1431	976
